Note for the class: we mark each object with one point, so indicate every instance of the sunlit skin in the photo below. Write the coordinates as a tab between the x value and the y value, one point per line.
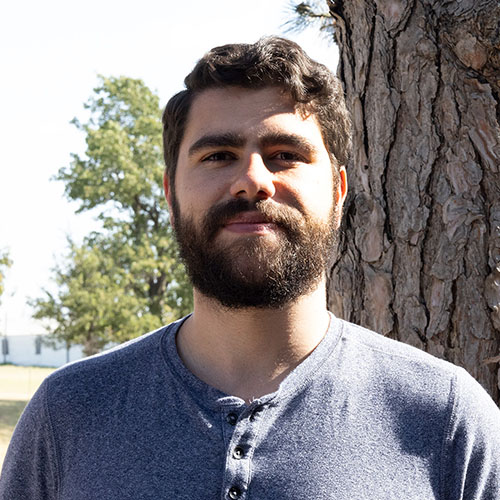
252	144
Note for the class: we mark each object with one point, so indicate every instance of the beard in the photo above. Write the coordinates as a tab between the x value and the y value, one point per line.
255	271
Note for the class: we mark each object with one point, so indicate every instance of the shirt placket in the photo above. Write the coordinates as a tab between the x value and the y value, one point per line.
244	425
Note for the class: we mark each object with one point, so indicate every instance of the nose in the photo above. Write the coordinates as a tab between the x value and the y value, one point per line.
253	180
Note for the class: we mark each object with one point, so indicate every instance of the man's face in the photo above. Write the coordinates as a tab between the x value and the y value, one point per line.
255	206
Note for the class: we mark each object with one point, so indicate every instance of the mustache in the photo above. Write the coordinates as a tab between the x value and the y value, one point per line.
217	216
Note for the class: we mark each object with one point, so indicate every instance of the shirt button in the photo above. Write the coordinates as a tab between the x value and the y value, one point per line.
238	453
234	493
232	418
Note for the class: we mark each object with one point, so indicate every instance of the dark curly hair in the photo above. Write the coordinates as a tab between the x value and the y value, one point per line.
272	61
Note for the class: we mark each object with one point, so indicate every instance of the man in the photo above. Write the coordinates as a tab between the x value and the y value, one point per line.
260	393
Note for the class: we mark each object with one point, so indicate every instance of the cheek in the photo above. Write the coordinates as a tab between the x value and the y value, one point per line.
197	193
315	192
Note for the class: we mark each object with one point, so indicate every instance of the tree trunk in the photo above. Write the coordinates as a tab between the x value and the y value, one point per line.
419	256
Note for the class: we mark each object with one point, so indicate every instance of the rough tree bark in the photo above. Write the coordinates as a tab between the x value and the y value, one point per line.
419	257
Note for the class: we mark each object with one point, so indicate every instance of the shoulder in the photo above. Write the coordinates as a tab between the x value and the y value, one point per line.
428	400
392	353
110	362
404	373
101	379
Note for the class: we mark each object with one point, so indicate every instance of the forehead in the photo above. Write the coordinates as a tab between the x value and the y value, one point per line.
248	113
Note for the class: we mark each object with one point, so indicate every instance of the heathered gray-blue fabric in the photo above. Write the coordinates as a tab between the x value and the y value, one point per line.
363	417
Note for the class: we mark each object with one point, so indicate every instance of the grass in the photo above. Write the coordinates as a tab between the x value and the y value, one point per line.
17	385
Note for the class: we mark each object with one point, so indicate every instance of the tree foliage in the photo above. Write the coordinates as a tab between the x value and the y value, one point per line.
5	262
127	278
94	304
310	14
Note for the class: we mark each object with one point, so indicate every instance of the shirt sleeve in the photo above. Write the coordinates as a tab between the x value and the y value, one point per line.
30	466
471	458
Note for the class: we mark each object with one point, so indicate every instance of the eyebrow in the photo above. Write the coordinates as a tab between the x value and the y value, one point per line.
286	139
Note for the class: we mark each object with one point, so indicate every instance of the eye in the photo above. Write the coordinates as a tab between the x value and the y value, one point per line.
219	156
289	157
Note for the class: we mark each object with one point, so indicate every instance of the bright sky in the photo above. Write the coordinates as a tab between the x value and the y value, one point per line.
52	52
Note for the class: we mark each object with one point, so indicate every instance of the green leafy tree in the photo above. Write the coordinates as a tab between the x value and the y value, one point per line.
126	277
5	263
95	304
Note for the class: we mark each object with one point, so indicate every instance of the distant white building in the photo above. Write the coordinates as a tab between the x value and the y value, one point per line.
30	350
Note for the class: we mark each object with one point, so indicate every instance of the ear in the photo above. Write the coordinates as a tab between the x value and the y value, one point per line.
341	188
168	195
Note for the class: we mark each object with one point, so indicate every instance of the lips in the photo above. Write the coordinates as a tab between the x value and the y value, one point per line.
249	218
243	216
250	222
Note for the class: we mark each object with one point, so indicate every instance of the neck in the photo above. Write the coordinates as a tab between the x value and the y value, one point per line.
248	352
